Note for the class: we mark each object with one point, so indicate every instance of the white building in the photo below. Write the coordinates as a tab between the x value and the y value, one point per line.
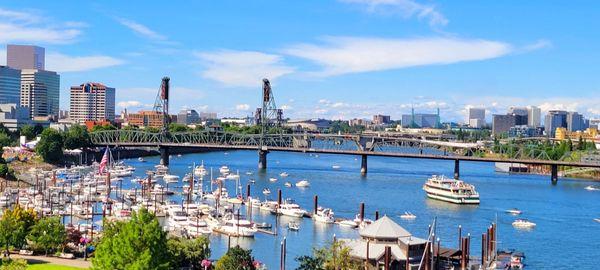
14	117
92	102
534	116
476	117
40	91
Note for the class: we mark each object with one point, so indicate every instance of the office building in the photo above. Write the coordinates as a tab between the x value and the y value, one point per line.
594	123
555	119
524	131
501	123
25	57
381	119
521	115
208	116
92	102
10	85
575	122
145	119
313	125
420	120
476	117
359	122
14	117
534	116
188	117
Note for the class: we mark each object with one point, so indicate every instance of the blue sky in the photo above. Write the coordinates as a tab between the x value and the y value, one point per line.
336	59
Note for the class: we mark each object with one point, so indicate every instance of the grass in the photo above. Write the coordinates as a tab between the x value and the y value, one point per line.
50	266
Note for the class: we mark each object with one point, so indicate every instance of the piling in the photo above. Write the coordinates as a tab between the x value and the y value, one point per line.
456	169
459	237
248	192
362	211
376	215
483	249
554	173
279	197
315	204
363	165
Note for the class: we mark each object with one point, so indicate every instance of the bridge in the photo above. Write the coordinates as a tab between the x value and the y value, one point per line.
364	145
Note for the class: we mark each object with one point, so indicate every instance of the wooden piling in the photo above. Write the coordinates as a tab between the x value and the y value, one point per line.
362	211
279	197
376	215
315	204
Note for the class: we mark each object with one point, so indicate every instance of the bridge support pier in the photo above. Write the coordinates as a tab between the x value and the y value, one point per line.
164	155
456	169
262	159
554	173
363	165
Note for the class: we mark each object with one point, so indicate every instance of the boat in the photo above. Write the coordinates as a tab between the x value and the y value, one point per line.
224	170
200	170
288	184
284	174
514	211
408	215
293	226
268	206
170	178
336	167
249	173
273	179
303	183
324	215
597	220
141	159
362	223
291	209
523	223
237	226
266	191
197	227
252	181
263	225
592	188
510	259
348	223
451	190
177	220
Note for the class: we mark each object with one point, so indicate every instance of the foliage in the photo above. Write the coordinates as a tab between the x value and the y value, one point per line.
254	129
47	234
5	139
175	127
188	253
10	264
139	243
340	126
30	132
50	266
310	263
15	225
50	146
3	170
103	127
236	258
334	256
76	137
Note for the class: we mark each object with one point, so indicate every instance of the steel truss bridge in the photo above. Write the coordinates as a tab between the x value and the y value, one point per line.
360	145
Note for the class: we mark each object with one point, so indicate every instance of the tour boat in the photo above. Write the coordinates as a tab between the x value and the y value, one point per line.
451	190
408	215
514	211
284	174
288	184
237	226
291	209
523	223
224	170
592	188
273	179
302	183
324	215
293	226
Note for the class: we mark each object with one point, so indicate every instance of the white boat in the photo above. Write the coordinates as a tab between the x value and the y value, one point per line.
224	170
273	179
141	159
408	215
592	188
232	176
249	173
284	174
597	219
362	223
268	206
197	227
514	211
293	226
348	223
177	220
170	178
266	191
303	183
451	190
288	184
200	170
335	166
237	226
291	209
523	223
324	215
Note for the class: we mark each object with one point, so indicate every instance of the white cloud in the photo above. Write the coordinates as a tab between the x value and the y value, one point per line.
405	8
540	44
64	63
242	68
27	27
286	107
141	29
242	107
128	104
341	55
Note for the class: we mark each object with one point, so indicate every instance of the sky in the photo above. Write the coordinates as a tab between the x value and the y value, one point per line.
336	59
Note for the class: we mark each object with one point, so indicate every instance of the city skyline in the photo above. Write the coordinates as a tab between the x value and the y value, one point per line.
320	67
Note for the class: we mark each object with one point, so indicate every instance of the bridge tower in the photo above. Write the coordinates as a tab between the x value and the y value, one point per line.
266	117
161	107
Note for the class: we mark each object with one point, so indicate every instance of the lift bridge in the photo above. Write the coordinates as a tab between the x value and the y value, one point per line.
358	145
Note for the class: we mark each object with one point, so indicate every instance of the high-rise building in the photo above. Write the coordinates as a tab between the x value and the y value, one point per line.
188	117
502	123
476	117
420	120
534	116
40	92
25	57
10	85
520	113
575	122
208	116
381	119
92	102
555	119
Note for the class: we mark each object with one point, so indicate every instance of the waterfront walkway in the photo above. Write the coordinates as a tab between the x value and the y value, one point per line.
79	263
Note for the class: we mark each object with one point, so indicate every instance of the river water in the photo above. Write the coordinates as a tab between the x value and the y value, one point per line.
566	237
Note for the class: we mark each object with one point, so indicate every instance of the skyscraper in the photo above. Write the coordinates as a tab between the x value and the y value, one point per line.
521	115
25	57
40	92
188	117
534	115
555	119
575	122
476	117
92	102
10	85
502	123
381	119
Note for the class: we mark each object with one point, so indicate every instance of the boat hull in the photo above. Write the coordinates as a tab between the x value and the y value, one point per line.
451	199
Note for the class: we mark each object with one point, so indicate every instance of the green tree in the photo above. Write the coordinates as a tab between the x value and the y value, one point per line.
50	146
47	234
175	127
188	253
236	258
28	131
103	127
309	263
139	243
5	139
10	264
15	225
77	137
3	169
334	256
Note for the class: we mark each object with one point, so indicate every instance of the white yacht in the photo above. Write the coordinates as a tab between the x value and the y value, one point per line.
237	226
266	191
291	209
514	211
224	170
592	188
408	215
177	221
200	170
287	184
284	174
170	178
273	179
197	227
523	223
336	167
348	223
268	206
324	215
451	190
303	183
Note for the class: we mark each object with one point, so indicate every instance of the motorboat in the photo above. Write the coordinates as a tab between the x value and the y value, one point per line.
284	174
273	179
592	188
287	184
408	215
293	226
177	220
450	190
303	183
514	211
200	170
224	170
523	223
237	226
249	173
196	227
268	206
597	220
348	223
324	215
170	178
291	209
335	166
251	181
141	159
362	222
266	191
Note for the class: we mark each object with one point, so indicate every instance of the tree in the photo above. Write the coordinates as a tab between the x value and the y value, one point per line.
188	253
103	127
9	264
175	127
77	137
3	170
236	258
335	256
5	139
50	146
309	263
47	234
15	225
139	243
28	131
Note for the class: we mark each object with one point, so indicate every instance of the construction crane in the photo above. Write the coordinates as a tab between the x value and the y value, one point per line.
161	104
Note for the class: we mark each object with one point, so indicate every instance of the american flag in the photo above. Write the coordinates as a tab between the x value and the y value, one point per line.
104	161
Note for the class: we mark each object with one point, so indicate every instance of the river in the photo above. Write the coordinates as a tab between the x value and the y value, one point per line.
563	238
